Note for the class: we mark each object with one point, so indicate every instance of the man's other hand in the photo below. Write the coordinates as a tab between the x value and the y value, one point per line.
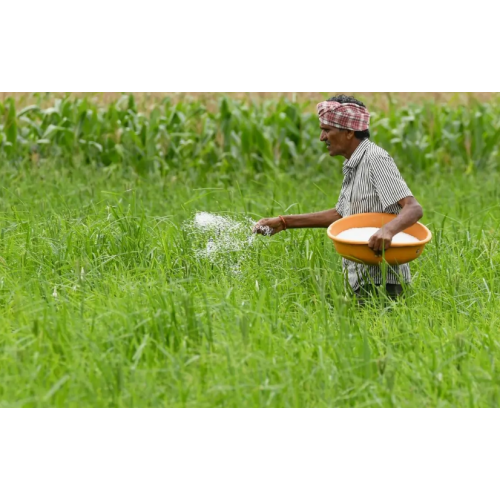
269	227
381	241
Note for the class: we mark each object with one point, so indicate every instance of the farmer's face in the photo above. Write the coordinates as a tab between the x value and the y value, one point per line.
336	140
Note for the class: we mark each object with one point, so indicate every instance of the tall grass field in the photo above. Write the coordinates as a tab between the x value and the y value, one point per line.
112	295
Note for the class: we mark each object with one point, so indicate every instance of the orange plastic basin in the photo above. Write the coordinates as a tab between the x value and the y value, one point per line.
399	253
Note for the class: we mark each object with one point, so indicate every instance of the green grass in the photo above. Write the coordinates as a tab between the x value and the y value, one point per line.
103	302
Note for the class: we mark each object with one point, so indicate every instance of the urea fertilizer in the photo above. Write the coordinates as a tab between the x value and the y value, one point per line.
363	235
222	240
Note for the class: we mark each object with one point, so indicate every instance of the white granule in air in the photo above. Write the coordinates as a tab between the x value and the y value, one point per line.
220	237
363	235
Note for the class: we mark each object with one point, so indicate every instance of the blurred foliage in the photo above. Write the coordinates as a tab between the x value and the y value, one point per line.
236	135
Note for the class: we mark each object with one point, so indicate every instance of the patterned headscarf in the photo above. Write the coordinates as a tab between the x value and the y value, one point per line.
347	116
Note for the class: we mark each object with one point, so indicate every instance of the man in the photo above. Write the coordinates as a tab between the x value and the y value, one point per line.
372	184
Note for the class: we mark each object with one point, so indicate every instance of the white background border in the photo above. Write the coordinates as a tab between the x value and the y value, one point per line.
262	46
248	454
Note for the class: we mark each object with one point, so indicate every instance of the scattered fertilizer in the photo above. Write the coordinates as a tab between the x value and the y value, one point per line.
222	239
363	235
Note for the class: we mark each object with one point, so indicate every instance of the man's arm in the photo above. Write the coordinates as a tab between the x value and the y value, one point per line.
412	212
275	225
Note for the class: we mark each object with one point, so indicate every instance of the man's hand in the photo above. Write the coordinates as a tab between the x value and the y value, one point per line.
269	227
412	212
381	241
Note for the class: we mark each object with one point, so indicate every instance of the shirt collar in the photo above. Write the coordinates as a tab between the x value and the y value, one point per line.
356	157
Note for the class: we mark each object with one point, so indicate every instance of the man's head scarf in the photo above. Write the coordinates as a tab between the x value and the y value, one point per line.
347	116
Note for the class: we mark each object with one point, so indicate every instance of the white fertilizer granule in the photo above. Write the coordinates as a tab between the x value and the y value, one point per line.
363	235
221	240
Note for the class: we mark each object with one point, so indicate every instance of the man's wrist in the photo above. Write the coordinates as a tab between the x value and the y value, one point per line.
291	221
388	229
285	222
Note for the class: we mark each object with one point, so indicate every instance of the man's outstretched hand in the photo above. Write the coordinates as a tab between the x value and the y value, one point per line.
269	227
381	241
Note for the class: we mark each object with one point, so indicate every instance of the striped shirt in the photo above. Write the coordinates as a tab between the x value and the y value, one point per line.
372	184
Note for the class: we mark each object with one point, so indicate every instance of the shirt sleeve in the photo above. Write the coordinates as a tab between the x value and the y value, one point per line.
390	186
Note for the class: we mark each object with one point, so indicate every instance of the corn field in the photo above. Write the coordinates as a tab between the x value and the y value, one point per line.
254	137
